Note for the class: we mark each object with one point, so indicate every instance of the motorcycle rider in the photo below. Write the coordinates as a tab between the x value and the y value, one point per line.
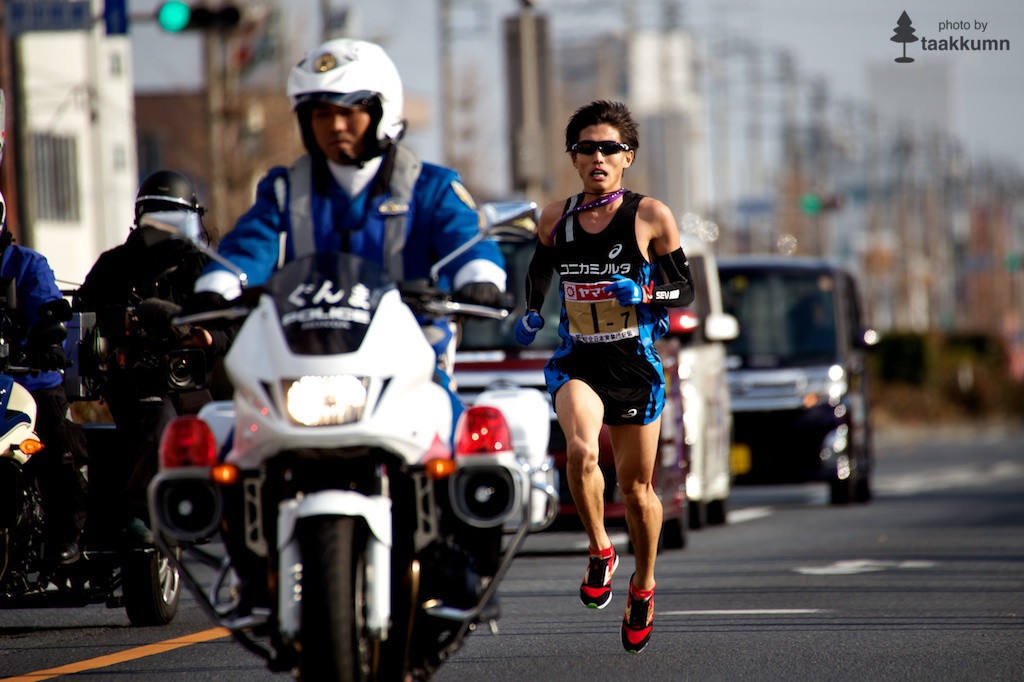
58	467
356	190
135	289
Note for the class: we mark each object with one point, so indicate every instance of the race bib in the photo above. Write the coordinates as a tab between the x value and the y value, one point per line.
595	315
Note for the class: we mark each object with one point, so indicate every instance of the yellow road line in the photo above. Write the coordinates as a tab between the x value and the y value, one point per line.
122	656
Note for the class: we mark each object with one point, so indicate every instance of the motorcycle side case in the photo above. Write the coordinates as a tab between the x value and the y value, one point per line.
527	412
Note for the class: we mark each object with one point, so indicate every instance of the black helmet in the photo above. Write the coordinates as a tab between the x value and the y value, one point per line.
166	190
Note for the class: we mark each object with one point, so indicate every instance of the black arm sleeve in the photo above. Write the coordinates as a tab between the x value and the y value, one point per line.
538	277
677	289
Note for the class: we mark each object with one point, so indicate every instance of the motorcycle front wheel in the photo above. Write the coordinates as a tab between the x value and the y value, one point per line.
334	643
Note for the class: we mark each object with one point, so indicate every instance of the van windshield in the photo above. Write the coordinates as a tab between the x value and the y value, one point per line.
787	316
481	334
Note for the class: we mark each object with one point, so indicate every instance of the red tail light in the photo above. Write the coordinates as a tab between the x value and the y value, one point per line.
682	321
187	442
482	431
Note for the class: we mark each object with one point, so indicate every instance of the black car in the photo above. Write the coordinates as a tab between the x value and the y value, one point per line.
798	374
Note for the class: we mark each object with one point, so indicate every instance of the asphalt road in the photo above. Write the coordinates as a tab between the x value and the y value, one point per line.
924	583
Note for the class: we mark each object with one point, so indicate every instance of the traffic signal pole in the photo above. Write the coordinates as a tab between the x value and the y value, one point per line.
215	112
216	25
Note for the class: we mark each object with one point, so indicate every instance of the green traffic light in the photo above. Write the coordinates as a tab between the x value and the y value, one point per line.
810	203
173	16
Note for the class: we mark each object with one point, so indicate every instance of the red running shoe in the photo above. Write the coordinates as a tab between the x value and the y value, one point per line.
638	622
596	590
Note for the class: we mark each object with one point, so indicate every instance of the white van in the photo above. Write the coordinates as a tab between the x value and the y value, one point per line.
694	353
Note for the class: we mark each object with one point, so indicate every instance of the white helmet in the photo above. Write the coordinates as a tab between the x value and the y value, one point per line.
346	71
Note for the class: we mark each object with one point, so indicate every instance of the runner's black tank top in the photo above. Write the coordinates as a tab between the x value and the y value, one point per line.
586	257
592	321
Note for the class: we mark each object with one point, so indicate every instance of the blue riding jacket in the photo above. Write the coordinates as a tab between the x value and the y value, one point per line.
439	218
36	285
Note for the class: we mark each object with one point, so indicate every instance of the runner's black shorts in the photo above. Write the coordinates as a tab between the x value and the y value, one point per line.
631	389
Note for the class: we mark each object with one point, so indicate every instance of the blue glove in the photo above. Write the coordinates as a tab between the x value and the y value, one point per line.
626	291
527	328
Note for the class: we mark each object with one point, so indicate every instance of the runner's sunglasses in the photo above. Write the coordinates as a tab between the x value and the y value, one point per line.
607	147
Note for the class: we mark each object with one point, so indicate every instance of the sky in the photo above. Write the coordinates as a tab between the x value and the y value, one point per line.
836	41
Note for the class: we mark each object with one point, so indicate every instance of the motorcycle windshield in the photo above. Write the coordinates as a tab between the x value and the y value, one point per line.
325	301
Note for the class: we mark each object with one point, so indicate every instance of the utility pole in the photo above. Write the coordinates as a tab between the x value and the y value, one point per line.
526	38
754	128
789	219
217	28
325	20
8	174
820	152
447	37
878	267
214	63
721	131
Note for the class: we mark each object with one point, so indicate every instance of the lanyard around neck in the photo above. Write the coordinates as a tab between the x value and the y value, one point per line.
600	201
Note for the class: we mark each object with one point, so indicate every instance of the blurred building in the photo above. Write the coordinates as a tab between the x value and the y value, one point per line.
655	71
664	93
258	132
71	167
945	243
921	97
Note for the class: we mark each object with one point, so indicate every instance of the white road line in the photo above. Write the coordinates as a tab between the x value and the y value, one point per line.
953	477
853	566
748	514
742	612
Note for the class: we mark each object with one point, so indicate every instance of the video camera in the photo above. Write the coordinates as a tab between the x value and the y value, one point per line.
93	359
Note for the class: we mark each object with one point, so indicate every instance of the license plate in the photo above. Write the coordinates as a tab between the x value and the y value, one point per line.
739	458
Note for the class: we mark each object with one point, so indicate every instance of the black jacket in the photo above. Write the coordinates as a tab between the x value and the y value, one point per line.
128	274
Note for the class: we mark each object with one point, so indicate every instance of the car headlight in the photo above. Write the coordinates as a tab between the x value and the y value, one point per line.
326	400
826	389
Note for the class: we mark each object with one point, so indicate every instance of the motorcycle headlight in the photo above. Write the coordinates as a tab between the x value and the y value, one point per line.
326	400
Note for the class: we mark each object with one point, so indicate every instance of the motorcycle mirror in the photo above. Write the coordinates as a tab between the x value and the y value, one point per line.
509	220
500	220
186	226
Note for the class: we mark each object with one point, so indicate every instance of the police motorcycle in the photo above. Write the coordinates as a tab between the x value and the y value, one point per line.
137	578
374	524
